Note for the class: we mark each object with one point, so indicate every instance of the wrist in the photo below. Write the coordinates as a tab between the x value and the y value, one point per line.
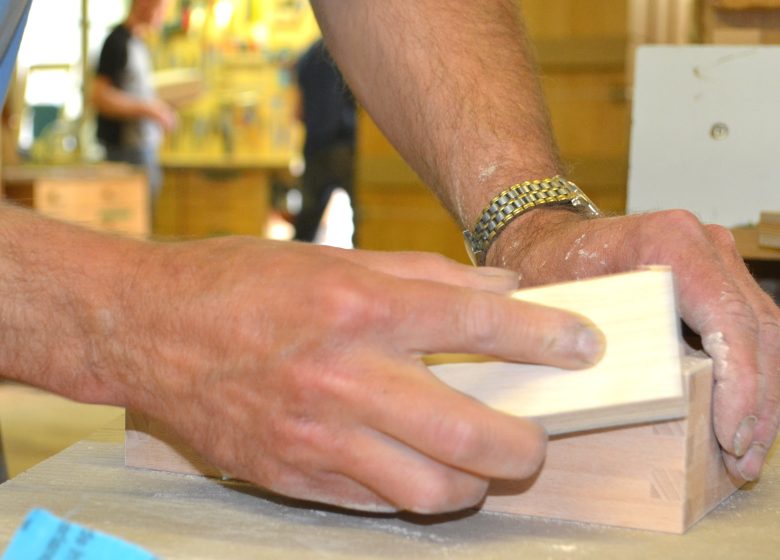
529	232
517	201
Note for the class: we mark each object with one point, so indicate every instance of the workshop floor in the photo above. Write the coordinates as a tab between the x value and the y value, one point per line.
36	425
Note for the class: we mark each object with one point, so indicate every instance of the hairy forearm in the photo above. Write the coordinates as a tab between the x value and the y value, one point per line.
452	85
64	303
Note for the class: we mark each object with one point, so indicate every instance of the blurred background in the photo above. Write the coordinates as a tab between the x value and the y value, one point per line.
233	162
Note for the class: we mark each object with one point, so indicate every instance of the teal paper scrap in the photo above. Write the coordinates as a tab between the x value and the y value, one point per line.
44	536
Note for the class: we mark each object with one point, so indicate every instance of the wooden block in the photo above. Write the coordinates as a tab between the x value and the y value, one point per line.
662	476
637	380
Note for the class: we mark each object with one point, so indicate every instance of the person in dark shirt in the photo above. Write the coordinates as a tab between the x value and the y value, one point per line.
328	114
130	116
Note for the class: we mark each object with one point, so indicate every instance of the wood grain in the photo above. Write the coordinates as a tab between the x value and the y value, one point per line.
661	476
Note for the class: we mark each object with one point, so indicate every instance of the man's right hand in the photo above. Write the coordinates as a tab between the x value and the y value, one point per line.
162	114
298	368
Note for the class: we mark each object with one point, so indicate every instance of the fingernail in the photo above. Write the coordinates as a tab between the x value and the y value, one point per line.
589	344
744	436
749	466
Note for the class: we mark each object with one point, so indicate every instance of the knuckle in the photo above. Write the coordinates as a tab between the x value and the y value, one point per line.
658	225
721	237
346	307
480	321
770	330
680	219
462	441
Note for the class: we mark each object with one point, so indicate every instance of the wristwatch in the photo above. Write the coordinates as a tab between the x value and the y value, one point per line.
516	200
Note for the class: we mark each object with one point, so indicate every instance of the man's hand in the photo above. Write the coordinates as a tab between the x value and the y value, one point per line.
161	113
292	366
298	368
738	323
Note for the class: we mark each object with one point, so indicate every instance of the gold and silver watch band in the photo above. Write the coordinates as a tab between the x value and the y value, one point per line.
517	200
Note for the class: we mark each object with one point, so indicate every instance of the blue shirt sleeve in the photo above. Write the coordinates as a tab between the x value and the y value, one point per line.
13	15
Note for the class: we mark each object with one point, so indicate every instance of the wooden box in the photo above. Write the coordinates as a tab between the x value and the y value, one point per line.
662	476
105	197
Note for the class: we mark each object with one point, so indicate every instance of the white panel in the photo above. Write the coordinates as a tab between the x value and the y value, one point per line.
680	94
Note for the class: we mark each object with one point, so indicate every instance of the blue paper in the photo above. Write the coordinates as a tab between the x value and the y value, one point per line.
44	536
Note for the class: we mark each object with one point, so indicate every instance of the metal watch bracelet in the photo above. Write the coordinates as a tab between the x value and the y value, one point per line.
518	199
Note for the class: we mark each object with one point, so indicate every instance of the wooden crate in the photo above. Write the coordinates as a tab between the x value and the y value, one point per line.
107	197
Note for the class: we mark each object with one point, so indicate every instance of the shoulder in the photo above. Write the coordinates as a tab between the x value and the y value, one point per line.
119	37
113	55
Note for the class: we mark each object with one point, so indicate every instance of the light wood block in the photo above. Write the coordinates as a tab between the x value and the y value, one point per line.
661	476
637	380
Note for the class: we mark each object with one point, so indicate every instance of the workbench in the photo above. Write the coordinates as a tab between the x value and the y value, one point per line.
183	516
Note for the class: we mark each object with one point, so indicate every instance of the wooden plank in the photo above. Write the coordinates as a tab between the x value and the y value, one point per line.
637	380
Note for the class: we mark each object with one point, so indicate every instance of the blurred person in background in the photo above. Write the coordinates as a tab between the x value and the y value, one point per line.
327	110
131	118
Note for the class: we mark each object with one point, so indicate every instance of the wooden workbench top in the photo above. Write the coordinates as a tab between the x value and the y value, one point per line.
181	516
